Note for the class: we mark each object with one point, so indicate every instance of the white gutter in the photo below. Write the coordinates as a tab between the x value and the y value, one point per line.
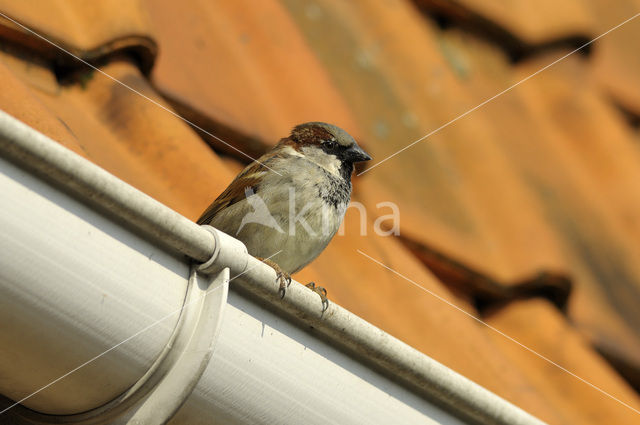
87	261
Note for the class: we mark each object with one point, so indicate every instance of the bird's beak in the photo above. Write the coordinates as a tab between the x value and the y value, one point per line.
356	154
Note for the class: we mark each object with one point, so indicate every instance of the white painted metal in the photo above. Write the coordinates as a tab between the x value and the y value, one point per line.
72	283
189	351
267	370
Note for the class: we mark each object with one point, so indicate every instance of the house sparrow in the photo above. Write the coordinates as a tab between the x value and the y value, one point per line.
292	200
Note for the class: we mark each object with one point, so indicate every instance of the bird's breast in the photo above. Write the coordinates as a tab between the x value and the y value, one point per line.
292	214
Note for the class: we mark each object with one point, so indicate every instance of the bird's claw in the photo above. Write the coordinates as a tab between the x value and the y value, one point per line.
321	292
284	280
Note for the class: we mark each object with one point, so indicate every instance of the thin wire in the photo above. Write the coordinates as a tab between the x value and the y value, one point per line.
135	91
496	96
496	330
368	169
182	308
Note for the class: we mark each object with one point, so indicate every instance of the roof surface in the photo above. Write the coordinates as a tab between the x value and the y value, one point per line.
525	213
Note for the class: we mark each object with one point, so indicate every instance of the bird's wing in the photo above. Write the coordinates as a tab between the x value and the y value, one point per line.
249	178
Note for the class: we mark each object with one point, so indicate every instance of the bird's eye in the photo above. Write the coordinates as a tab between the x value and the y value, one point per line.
329	144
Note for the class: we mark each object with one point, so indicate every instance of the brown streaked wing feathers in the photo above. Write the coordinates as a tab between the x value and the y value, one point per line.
233	193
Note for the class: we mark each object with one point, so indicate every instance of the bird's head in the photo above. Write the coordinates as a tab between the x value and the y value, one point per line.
328	146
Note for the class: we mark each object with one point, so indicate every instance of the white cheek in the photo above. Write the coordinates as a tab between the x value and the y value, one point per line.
329	162
334	165
291	151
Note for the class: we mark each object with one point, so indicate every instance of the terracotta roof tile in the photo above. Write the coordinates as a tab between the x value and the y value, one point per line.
88	29
413	315
520	199
113	127
520	27
479	202
539	326
29	108
616	60
126	134
567	162
271	80
441	184
588	187
361	59
353	82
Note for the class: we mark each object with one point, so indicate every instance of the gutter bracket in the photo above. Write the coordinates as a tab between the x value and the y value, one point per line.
192	348
160	392
228	252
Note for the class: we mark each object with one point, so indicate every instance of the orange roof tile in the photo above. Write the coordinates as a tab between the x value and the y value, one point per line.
88	29
113	127
412	314
441	184
80	23
30	109
520	27
616	61
271	80
529	193
592	201
539	326
545	128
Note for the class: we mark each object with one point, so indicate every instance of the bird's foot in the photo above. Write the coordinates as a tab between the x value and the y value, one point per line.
283	278
320	291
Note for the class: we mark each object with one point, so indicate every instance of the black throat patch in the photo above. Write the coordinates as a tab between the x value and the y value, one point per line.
336	190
